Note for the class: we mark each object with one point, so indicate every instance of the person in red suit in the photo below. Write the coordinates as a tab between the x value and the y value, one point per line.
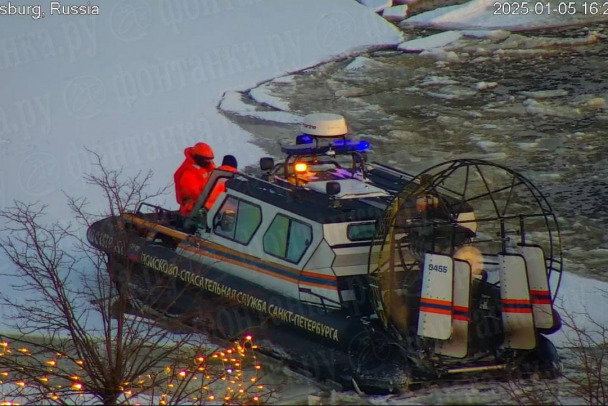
229	163
192	175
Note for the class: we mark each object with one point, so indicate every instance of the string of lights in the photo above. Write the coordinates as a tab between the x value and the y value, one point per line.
230	375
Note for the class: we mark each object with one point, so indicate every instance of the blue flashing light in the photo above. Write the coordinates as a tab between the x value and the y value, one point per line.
349	145
303	139
303	146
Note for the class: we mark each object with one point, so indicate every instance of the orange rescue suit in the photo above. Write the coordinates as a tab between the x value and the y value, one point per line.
220	187
190	180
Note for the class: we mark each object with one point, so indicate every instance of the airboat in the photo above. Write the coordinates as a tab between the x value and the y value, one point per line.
356	272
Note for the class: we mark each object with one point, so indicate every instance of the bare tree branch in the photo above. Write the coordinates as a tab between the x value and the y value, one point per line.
585	364
74	332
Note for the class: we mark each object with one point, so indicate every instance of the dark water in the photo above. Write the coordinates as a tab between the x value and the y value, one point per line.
535	101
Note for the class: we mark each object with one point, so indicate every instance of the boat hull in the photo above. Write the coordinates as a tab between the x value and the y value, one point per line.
355	352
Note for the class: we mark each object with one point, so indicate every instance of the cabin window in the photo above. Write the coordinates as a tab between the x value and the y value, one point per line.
361	231
287	238
237	220
248	219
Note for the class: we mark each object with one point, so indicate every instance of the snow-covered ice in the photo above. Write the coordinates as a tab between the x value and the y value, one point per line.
263	94
495	35
232	102
361	63
550	109
440	54
395	13
489	14
453	92
143	80
376	5
432	41
283	79
485	85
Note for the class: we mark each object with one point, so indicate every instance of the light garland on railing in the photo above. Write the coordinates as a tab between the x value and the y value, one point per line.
225	367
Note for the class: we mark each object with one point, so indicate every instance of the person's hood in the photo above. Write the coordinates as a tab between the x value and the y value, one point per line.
188	154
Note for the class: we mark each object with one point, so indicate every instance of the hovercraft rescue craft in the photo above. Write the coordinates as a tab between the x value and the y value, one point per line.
356	272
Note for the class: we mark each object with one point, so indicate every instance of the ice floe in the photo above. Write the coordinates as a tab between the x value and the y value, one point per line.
590	101
434	80
495	35
517	41
548	109
395	13
545	94
377	5
432	41
488	145
449	121
287	79
453	92
485	85
527	145
440	55
361	63
596	103
232	102
263	94
487	14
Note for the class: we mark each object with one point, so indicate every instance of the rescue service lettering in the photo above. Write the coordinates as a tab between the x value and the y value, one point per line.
287	316
107	242
277	312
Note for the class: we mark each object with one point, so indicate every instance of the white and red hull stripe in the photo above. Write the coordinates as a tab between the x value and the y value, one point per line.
436	306
461	313
540	296
516	306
